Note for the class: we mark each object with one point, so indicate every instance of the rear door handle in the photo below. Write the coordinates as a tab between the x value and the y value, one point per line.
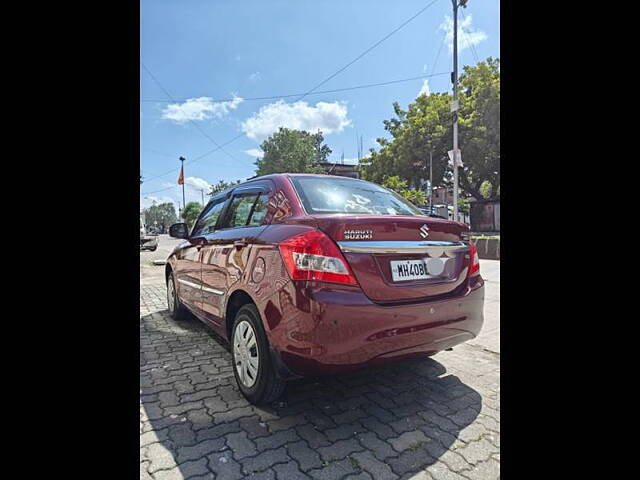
239	243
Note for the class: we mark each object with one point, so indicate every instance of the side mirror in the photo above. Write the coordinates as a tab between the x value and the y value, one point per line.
179	230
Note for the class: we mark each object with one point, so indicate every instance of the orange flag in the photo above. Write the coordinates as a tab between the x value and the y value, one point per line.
181	177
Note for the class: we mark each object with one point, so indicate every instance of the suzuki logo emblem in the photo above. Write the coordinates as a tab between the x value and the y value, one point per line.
424	231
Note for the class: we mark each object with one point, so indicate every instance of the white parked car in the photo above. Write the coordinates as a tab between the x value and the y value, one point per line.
147	242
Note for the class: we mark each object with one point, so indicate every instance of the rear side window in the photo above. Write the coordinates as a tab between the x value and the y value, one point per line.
259	210
239	210
345	195
247	209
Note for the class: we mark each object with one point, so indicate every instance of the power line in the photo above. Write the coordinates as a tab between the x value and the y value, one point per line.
309	92
435	62
157	191
335	90
367	50
159	153
190	121
199	157
469	44
466	36
293	95
168	188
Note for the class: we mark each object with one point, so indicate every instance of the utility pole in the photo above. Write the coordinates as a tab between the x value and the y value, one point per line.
455	113
456	4
202	194
430	181
182	159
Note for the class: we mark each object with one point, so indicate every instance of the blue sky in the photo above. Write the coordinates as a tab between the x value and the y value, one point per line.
212	55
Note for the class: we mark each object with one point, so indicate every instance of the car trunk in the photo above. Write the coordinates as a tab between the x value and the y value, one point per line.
401	258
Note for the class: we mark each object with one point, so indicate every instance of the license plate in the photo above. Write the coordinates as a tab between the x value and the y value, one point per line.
403	270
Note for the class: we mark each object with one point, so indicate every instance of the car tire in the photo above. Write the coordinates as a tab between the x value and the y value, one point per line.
175	307
153	249
259	384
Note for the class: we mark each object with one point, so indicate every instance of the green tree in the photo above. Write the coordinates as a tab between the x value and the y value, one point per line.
485	189
463	205
395	183
480	127
293	151
191	212
164	214
222	185
416	132
426	126
417	197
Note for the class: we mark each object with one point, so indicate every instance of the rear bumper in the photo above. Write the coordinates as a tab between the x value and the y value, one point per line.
324	329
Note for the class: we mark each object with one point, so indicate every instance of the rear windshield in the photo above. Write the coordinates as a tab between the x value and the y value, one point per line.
346	195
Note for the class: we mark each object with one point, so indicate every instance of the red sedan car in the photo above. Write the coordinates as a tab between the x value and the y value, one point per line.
316	274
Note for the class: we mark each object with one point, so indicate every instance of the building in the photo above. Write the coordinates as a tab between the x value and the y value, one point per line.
341	169
441	195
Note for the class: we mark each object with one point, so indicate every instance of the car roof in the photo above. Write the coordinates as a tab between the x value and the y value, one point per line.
280	175
320	175
310	175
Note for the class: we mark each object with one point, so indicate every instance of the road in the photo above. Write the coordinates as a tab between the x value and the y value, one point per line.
435	418
149	272
489	337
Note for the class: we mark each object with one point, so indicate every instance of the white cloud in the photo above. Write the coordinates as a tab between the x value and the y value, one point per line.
467	35
425	88
147	201
200	108
254	152
198	183
192	193
328	117
255	76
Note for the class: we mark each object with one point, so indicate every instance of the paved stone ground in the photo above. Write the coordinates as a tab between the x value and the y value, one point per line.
436	418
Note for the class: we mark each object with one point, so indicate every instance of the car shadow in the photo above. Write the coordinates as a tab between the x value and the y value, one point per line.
194	419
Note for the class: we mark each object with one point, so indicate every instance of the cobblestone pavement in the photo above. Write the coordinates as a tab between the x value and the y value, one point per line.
435	418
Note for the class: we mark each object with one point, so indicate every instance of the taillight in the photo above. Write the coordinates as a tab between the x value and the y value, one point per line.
314	256
474	260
